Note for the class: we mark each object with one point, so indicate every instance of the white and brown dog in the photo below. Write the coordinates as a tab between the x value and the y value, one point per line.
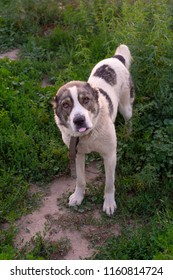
88	110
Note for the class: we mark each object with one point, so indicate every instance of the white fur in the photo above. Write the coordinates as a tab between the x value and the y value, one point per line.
78	109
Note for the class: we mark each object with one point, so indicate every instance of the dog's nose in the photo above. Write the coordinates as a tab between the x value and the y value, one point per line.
79	120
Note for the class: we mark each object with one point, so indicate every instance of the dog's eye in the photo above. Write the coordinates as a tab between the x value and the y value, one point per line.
66	105
86	100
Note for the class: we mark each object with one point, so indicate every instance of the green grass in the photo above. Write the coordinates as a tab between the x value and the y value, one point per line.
28	153
140	243
62	43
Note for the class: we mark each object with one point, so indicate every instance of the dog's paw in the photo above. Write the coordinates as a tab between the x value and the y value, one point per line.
109	205
76	198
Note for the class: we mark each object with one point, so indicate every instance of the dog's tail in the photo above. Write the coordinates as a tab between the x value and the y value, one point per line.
124	55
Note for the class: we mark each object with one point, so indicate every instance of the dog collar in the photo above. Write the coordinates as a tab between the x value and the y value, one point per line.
72	154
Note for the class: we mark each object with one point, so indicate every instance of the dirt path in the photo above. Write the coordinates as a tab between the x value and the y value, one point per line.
12	55
50	218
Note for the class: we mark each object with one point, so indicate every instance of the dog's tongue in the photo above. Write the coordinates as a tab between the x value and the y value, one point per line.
82	129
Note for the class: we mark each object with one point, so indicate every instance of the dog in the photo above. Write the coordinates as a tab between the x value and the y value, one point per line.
88	110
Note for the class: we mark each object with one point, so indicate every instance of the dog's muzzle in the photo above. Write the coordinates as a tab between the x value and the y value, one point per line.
80	123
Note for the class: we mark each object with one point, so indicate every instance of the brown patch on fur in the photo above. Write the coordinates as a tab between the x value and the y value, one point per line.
106	73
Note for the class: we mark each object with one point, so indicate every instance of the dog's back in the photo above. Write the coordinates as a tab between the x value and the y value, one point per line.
111	76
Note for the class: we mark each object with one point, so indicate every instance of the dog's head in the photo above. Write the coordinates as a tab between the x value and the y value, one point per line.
76	107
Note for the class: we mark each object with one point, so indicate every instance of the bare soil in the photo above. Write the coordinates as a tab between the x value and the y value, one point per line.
12	55
55	221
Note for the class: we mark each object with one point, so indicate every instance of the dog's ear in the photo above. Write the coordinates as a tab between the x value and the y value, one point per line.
54	101
94	91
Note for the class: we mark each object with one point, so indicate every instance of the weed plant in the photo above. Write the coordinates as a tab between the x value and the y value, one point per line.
63	42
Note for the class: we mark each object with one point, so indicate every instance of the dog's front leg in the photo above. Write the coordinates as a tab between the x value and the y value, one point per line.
77	197
109	205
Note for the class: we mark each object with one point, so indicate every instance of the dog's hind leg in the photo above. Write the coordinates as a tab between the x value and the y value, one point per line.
125	106
126	100
77	197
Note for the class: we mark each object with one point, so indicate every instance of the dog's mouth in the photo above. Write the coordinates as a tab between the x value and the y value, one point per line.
82	129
